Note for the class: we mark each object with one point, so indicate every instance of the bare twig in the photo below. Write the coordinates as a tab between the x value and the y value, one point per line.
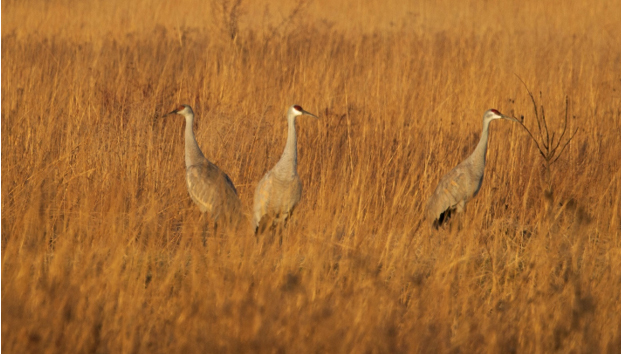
286	22
228	13
564	126
564	146
547	145
544	123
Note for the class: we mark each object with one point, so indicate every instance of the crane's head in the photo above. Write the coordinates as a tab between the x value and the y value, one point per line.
183	110
494	114
297	110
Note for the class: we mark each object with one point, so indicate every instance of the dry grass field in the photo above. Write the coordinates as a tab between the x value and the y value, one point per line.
102	247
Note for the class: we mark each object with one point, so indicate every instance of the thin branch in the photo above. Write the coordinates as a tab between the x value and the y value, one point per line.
564	125
564	146
545	124
286	22
531	136
548	143
536	115
532	99
552	140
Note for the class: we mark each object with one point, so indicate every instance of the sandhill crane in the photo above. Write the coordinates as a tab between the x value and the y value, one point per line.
463	182
210	188
279	191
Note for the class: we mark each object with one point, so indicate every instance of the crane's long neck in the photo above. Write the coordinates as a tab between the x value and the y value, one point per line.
289	159
193	153
478	156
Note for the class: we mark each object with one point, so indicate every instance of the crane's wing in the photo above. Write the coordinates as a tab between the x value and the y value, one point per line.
229	182
452	189
211	189
261	198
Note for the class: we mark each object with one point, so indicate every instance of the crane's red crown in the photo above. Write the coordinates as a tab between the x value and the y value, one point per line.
495	111
297	107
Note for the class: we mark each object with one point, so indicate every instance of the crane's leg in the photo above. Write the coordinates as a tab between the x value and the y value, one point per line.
284	220
202	226
278	231
461	209
263	225
205	222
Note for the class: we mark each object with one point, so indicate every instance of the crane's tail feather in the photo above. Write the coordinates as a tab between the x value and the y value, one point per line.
444	217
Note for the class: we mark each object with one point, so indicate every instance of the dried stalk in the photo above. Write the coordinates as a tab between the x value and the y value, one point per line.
546	144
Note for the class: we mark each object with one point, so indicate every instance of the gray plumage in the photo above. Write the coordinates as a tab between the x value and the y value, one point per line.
280	190
209	187
463	182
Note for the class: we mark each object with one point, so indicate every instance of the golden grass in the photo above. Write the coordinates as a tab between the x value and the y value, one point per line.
101	245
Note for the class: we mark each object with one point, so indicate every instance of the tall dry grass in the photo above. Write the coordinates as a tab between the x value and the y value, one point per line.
101	245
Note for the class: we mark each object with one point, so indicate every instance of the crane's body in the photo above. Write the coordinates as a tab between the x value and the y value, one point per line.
280	190
464	181
209	187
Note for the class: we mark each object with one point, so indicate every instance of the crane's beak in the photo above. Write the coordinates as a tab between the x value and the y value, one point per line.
510	118
309	114
170	113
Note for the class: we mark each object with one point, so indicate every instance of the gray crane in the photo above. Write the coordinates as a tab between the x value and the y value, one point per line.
280	190
463	182
210	188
